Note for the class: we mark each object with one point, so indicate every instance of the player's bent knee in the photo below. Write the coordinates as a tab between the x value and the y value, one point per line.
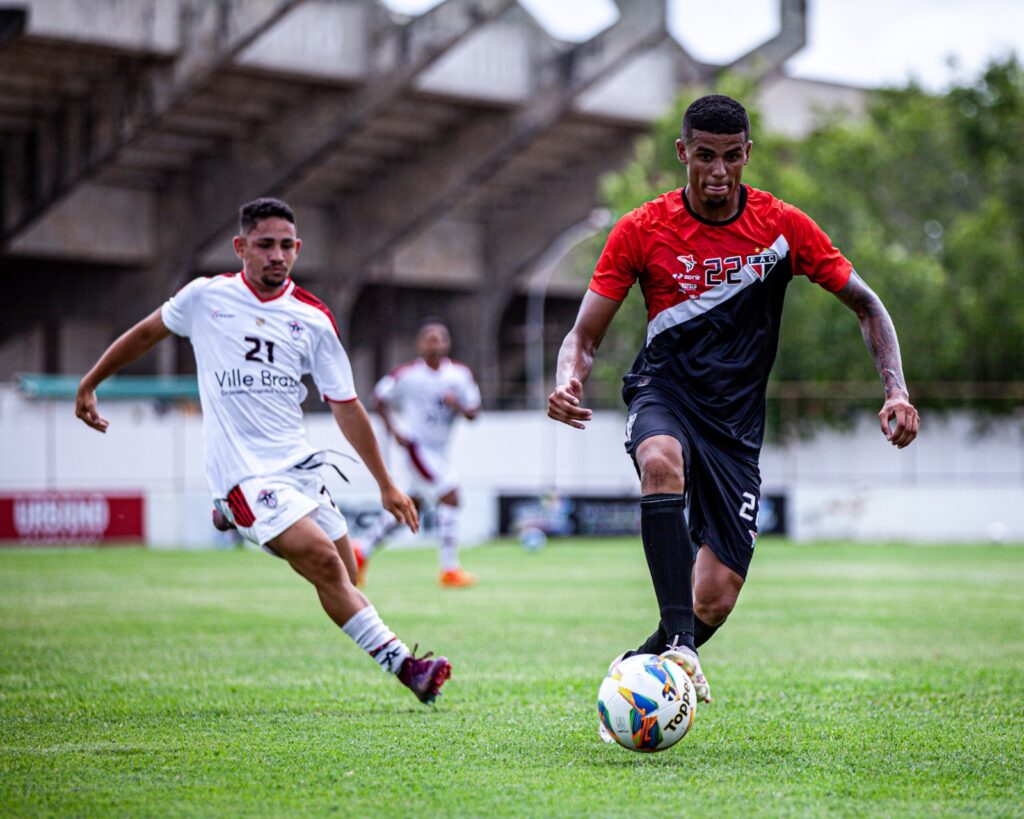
661	473
660	462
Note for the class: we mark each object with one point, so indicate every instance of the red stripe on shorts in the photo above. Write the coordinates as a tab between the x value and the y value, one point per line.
240	508
417	461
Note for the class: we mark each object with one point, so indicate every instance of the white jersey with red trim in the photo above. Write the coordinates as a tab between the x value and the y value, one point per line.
251	354
417	392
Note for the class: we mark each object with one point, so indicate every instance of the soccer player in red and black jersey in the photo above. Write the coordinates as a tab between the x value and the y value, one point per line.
713	261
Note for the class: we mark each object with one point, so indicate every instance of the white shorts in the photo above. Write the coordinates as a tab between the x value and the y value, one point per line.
263	507
431	475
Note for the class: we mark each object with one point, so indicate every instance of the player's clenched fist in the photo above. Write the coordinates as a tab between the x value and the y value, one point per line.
899	420
564	404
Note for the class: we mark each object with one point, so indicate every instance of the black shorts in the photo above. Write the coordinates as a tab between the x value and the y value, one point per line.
723	486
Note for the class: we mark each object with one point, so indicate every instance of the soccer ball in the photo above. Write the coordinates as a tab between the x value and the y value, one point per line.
646	703
533	539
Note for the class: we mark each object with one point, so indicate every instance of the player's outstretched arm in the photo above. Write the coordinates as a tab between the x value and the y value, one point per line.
576	359
355	425
133	344
898	417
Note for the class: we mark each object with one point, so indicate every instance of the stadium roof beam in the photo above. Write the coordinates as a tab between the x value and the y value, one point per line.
768	58
91	137
516	237
443	179
283	155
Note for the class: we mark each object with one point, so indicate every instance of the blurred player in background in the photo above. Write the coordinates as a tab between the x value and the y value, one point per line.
419	401
713	261
255	334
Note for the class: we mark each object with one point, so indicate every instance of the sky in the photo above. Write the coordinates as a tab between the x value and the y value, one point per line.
858	42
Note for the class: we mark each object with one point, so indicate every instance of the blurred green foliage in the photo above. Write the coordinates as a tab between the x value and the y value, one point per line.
924	194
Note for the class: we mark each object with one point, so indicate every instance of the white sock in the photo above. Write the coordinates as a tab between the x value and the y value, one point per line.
448	534
376	639
384	526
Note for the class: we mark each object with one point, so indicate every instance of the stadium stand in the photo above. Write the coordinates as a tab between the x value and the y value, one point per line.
431	159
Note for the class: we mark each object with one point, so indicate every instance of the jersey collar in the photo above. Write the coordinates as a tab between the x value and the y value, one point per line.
444	360
286	287
729	221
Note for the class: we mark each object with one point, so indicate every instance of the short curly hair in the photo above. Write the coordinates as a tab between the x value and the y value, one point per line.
259	209
716	114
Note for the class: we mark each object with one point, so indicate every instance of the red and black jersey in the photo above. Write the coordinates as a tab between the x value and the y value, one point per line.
714	294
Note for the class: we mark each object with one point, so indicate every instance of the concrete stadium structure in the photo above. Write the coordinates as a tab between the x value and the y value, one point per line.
432	160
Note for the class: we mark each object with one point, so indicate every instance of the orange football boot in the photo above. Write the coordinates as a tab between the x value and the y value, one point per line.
458	579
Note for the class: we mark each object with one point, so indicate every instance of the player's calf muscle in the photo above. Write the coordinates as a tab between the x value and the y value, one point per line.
714	607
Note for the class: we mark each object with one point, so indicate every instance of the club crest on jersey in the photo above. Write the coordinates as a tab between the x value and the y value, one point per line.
268	497
260	322
296	329
762	263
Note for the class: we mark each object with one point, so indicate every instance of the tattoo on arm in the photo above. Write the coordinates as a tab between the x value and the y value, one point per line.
879	333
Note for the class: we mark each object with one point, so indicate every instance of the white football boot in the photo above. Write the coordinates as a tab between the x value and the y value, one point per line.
686	659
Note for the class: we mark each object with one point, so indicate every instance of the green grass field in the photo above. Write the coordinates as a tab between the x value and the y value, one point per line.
851	680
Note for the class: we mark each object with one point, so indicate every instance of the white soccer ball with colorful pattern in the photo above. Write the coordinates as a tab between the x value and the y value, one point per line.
646	703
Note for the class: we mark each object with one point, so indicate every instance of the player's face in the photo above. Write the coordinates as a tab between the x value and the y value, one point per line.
714	166
268	252
433	343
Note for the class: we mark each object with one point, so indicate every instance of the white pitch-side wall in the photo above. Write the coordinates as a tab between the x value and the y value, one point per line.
958	482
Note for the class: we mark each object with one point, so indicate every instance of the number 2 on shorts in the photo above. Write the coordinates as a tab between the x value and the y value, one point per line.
749	506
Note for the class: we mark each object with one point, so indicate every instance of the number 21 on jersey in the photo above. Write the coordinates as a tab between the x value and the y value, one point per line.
255	351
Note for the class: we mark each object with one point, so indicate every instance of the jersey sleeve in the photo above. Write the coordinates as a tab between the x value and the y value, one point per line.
331	369
814	255
177	312
467	390
387	389
620	261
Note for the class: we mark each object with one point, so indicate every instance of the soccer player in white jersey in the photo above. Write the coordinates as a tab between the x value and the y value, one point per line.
255	333
419	401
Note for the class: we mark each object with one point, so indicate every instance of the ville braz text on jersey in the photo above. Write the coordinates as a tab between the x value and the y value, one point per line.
233	381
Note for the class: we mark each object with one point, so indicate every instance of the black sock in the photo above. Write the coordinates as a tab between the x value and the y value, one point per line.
670	560
655	644
702	631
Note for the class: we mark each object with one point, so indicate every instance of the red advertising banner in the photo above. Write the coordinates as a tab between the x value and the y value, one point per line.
72	518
